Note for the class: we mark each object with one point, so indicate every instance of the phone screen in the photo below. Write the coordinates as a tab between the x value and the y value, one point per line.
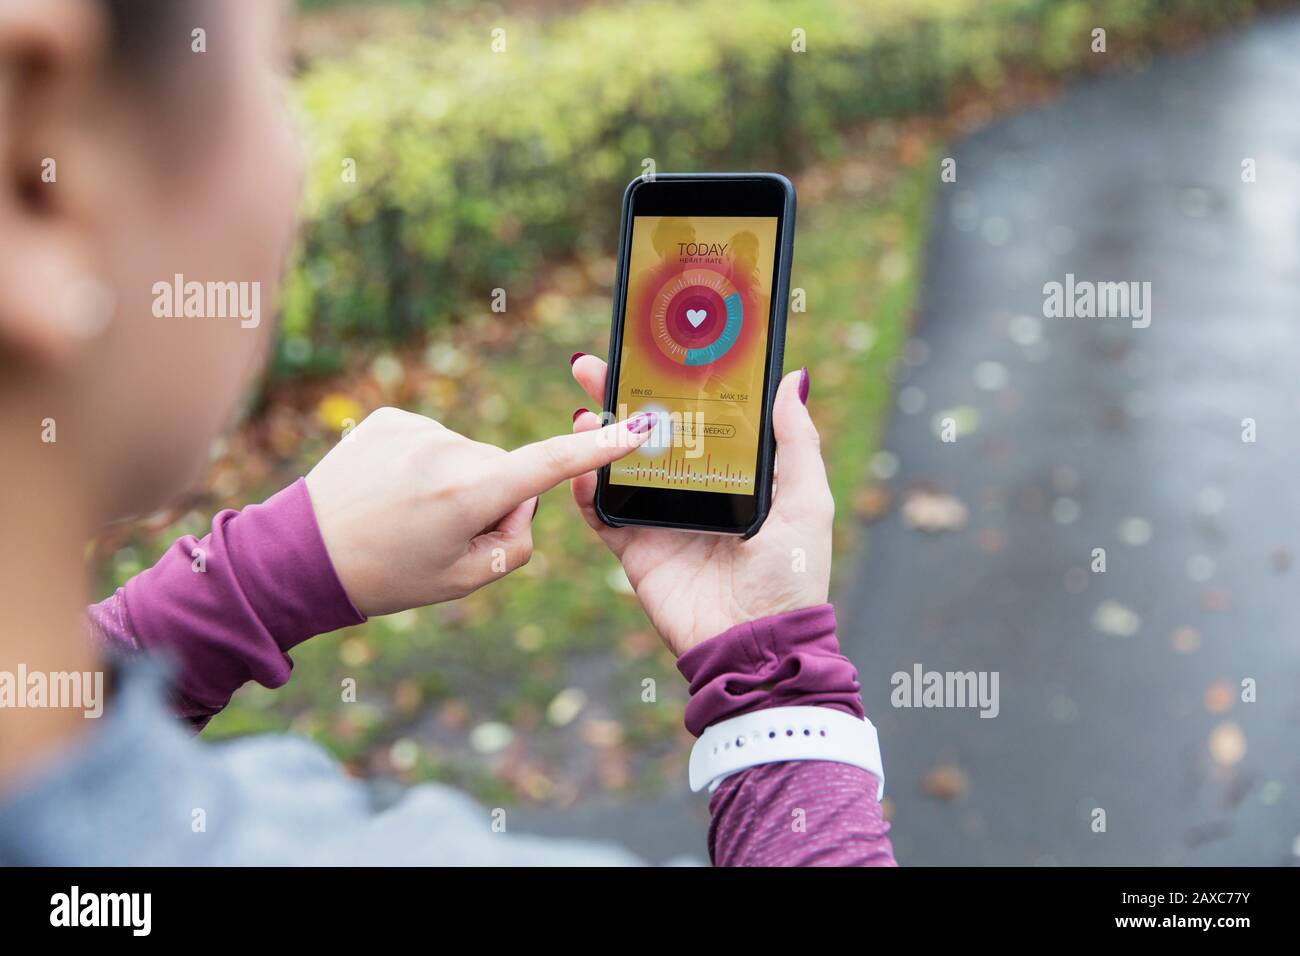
695	331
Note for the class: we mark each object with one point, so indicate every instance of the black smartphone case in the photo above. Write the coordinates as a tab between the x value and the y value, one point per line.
773	373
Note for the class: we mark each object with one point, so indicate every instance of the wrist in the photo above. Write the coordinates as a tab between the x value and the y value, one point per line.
279	557
729	620
789	659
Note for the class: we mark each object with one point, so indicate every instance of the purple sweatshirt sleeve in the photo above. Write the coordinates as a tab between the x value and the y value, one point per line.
801	813
226	608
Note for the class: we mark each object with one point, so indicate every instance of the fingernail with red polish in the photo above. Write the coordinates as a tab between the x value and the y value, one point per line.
642	423
579	412
803	385
575	356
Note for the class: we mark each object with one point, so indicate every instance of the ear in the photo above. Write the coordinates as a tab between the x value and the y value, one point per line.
51	52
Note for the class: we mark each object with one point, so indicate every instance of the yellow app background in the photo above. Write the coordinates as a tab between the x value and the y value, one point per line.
694	348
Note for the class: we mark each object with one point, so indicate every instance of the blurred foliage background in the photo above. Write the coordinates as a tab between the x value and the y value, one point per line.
478	169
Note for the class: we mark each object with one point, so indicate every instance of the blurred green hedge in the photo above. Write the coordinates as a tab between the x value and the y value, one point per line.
473	166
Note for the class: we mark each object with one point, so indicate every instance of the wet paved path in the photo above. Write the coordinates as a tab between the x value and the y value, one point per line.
1117	690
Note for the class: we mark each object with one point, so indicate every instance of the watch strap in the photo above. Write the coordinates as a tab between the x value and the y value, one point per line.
778	734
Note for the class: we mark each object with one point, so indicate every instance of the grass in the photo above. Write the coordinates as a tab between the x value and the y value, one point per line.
533	688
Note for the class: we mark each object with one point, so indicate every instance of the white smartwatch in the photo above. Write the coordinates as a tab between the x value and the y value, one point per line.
780	734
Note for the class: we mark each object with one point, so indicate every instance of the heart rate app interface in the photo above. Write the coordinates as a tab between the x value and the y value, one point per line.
695	329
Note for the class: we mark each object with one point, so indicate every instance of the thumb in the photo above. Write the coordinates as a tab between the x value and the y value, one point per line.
801	485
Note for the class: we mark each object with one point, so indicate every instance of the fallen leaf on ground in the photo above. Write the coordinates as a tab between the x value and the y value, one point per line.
639	644
1216	599
933	511
1185	640
1218	697
453	715
337	410
601	733
946	782
871	502
566	705
1115	619
1227	744
491	737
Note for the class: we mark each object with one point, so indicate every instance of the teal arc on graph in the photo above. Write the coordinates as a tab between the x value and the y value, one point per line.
730	332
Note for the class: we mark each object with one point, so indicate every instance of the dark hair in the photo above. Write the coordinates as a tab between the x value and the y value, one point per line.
142	33
150	54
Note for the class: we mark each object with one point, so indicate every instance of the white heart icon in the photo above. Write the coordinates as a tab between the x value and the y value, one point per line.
696	317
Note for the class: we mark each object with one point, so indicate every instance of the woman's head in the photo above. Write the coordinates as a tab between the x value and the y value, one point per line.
140	140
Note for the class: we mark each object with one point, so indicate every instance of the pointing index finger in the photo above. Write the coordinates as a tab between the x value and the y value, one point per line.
536	468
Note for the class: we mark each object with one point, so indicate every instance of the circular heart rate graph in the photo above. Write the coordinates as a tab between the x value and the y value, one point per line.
696	317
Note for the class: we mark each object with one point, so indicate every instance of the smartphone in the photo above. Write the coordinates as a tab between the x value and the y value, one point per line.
698	337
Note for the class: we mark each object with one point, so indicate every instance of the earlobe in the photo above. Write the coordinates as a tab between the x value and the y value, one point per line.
49	310
86	308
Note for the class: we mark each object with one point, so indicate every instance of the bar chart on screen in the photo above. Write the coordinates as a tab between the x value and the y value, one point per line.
678	471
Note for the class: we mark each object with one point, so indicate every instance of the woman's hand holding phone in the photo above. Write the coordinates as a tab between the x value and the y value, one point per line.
413	513
694	585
